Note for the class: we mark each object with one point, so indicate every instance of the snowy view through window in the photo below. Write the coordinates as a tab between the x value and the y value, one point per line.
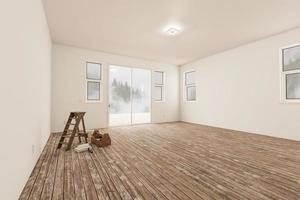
129	96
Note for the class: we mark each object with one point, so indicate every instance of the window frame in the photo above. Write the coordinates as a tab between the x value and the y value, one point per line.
186	86
283	77
162	86
100	81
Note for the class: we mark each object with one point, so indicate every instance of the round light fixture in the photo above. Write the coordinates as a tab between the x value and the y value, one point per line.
172	30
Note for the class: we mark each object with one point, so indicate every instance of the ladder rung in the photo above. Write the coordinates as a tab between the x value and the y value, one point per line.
71	131
69	135
69	124
62	143
66	136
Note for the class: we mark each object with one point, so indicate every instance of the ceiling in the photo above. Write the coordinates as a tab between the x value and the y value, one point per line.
135	27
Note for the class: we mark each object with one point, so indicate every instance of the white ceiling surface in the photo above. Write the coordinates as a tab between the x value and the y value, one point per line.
134	27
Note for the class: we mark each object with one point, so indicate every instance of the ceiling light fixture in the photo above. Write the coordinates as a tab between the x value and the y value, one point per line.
172	31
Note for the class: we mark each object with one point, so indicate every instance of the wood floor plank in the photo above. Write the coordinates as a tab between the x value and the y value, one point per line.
40	181
105	178
88	183
78	182
113	176
174	161
58	190
99	186
47	192
69	188
34	174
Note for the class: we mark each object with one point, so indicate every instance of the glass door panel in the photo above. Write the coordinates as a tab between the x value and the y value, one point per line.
120	96
141	86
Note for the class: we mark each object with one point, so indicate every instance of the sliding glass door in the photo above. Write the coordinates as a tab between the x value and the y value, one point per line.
129	96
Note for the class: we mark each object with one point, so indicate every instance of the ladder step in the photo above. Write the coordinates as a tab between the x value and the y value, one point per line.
66	136
71	131
61	143
76	135
68	132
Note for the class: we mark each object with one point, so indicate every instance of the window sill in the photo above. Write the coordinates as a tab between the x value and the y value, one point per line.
290	101
93	101
193	101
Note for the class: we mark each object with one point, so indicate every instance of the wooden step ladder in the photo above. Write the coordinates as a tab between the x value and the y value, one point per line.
74	120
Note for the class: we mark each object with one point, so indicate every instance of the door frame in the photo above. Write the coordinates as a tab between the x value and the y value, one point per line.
108	92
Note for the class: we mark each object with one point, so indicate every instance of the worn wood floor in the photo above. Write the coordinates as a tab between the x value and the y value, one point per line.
173	161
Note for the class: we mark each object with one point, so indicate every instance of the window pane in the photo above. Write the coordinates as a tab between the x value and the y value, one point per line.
291	58
157	94
93	90
293	86
119	96
191	93
141	100
93	71
189	78
158	78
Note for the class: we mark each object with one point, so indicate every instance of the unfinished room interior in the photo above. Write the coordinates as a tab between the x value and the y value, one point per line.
150	99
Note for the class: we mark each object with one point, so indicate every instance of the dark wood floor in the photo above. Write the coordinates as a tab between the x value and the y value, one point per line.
173	161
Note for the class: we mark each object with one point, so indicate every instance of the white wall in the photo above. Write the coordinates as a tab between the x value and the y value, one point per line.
240	89
25	56
69	92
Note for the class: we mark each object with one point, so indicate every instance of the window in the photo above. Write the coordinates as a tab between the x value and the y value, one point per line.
190	86
158	93
93	81
290	73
